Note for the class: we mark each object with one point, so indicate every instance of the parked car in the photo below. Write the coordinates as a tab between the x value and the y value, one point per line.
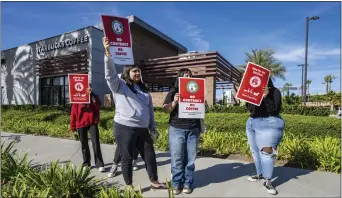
339	111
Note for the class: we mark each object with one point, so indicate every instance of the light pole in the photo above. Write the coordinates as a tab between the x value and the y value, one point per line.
306	56
302	65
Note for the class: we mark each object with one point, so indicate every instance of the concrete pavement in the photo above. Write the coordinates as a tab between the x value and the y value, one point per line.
213	177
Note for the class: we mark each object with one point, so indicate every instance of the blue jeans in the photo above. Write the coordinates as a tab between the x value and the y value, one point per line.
264	132
183	145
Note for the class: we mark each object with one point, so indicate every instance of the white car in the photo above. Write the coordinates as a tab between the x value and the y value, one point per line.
339	111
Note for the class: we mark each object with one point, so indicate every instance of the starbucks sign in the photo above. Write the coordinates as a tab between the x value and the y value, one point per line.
62	44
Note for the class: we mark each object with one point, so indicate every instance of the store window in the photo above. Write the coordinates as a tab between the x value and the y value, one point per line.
54	91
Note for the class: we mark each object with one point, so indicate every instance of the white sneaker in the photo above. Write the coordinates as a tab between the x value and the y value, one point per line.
113	170
269	187
135	166
102	169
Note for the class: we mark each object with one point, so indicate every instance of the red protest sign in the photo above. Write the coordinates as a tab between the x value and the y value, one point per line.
192	101
78	85
254	80
118	32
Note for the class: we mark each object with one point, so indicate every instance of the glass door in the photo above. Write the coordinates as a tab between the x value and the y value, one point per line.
56	95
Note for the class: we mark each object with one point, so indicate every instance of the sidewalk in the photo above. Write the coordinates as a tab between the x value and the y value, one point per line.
213	177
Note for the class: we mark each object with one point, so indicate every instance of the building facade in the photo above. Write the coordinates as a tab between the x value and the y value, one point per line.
37	73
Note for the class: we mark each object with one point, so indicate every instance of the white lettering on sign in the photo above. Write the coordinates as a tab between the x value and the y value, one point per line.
118	44
62	44
192	100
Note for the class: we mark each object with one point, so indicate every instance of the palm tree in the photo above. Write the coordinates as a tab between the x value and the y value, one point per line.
283	91
308	82
266	59
286	88
328	79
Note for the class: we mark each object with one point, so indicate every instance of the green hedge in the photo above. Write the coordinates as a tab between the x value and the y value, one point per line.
287	109
21	178
303	135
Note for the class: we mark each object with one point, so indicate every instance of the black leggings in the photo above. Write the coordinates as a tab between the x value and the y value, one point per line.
117	155
95	139
129	139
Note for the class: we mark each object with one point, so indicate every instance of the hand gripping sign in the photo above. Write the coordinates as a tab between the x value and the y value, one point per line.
254	80
78	85
192	101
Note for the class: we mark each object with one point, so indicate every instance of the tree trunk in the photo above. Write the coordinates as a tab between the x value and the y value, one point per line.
327	87
308	92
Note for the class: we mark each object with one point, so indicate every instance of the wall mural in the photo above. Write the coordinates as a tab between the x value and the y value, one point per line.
18	81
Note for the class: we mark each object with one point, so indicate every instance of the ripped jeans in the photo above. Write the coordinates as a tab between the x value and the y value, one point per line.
263	133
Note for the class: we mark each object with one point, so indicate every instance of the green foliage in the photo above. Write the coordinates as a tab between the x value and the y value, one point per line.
333	97
265	58
20	179
291	99
286	109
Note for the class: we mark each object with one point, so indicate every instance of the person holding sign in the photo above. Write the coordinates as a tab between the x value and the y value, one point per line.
183	140
134	117
264	132
84	118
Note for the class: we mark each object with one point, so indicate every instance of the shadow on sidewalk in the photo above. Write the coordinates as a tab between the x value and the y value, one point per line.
285	174
221	173
224	172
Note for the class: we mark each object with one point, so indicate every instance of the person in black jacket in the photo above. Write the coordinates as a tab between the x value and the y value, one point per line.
264	132
183	140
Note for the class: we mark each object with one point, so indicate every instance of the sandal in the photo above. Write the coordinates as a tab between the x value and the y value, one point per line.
160	187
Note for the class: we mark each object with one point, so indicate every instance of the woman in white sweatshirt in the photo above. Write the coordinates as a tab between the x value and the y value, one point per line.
134	118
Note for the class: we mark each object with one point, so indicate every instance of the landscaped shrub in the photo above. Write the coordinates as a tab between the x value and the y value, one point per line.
287	109
19	178
226	134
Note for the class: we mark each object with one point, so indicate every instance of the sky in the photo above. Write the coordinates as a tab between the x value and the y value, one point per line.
231	28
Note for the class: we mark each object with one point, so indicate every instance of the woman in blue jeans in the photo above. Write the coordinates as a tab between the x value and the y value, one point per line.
264	133
183	140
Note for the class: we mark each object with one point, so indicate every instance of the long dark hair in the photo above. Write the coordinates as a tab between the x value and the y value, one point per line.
270	83
125	76
271	86
181	73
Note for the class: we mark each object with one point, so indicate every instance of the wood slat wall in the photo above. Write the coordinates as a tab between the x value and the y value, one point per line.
162	70
75	62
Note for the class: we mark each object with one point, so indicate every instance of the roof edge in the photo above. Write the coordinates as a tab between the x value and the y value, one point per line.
148	27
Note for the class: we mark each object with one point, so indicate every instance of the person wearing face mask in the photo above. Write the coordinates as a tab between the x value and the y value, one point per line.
264	130
85	118
134	118
183	140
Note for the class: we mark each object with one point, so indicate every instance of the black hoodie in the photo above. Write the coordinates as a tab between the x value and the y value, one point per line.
270	105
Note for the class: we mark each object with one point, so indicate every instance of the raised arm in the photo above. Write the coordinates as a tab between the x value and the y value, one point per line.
111	76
